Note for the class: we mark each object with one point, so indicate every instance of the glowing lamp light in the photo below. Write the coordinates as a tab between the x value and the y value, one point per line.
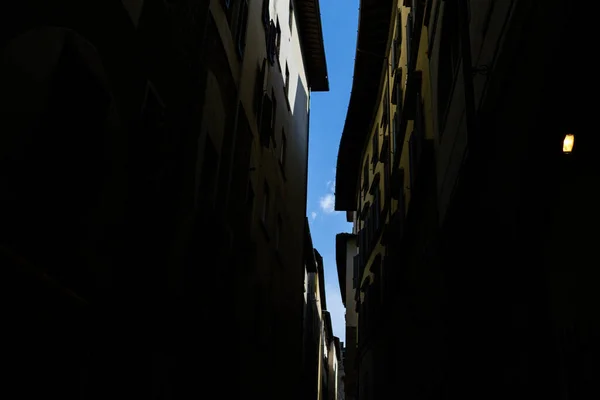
568	143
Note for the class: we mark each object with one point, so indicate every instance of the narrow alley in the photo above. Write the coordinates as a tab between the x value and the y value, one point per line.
166	234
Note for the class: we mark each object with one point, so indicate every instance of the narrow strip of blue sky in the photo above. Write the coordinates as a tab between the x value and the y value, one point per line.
327	116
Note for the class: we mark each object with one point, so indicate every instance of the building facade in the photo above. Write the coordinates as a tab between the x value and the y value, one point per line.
321	349
185	212
451	287
341	392
346	251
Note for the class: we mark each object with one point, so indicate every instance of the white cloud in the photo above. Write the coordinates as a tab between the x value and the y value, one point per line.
331	186
313	215
327	203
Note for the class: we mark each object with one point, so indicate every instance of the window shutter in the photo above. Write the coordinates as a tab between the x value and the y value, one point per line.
386	109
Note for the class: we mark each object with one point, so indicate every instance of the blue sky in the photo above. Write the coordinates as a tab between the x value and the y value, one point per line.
327	116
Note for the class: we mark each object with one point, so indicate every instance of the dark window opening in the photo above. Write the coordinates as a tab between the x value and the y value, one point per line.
398	40
385	118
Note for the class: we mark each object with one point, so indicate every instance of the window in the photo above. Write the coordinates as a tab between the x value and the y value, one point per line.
278	39
287	80
385	118
266	204
291	14
283	150
397	89
375	158
265	13
397	47
242	26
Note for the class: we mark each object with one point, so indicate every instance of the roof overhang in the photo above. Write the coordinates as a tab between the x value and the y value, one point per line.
341	249
308	15
375	17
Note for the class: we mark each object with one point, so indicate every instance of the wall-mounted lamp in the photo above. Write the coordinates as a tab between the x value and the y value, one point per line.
568	143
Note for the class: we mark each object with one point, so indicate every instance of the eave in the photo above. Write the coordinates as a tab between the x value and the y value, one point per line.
375	17
308	17
309	254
